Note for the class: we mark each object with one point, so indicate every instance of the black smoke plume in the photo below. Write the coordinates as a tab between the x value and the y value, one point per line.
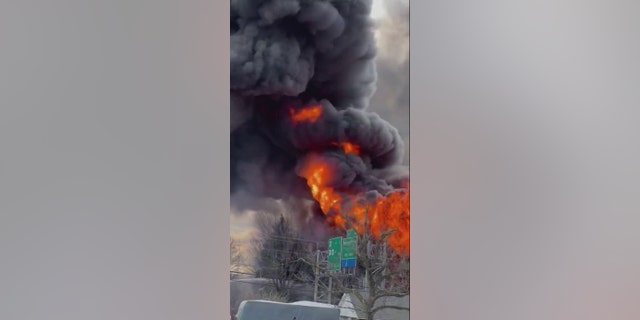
291	54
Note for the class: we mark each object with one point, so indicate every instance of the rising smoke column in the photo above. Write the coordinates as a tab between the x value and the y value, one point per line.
302	75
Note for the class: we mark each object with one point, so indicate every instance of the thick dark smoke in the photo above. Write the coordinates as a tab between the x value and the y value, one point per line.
292	54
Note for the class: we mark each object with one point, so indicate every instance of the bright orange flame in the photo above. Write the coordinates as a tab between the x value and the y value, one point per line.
349	148
317	173
310	115
390	212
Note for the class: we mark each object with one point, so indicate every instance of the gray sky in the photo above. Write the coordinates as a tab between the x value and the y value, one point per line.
391	100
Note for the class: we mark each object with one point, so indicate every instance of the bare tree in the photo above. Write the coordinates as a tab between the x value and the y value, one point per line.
386	274
280	255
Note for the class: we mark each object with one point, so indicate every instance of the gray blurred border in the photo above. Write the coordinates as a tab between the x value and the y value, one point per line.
222	226
418	157
526	172
114	167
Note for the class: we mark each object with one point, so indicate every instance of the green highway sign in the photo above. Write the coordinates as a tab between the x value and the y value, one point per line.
343	251
349	249
334	254
349	246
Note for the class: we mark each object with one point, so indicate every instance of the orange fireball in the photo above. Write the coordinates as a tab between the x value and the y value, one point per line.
309	115
389	212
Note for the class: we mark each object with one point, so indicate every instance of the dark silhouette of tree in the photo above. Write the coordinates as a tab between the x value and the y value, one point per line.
280	255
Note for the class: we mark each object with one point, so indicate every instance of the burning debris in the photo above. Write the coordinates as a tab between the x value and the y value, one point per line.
309	115
302	75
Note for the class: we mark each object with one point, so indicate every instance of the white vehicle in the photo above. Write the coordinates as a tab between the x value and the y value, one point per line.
270	310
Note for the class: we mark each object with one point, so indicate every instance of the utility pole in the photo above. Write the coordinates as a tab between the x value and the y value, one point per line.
330	289
315	285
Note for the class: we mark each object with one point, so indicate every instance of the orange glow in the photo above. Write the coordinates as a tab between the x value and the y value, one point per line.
349	148
388	212
317	174
310	115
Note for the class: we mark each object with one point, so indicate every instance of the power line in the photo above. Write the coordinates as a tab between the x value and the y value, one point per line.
268	282
292	238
